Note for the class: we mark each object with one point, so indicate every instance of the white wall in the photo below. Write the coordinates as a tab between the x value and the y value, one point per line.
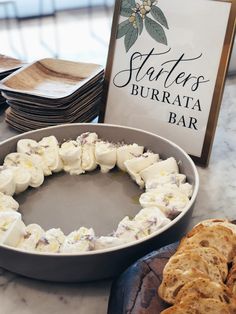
28	8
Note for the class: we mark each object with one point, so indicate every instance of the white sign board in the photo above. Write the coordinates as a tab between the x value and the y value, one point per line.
163	67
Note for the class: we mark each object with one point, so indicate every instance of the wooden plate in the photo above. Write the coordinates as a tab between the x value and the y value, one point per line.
22	124
54	102
51	108
51	78
8	64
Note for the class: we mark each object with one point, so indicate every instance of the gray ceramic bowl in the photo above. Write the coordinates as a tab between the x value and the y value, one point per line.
92	200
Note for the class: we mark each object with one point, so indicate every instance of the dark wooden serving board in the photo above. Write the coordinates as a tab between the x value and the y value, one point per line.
135	291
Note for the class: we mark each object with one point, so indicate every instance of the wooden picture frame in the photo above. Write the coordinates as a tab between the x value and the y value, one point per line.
112	101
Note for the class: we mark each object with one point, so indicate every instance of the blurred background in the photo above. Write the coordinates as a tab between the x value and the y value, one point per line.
66	29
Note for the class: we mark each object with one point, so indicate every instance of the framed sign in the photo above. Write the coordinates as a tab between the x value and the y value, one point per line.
166	68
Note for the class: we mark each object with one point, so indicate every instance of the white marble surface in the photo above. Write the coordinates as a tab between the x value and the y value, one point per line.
217	198
217	195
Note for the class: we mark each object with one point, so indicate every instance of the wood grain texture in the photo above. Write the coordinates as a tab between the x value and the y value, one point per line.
8	64
51	78
135	291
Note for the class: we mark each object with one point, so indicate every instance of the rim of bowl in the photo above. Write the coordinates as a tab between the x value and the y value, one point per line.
125	245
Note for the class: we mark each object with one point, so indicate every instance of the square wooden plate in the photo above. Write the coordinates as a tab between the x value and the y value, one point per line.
50	78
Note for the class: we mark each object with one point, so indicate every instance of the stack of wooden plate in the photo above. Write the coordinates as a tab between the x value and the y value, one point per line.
7	66
50	92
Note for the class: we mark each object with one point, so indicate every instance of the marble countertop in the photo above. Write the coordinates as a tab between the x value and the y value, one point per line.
217	198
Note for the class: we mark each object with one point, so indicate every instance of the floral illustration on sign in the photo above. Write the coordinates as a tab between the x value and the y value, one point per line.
138	14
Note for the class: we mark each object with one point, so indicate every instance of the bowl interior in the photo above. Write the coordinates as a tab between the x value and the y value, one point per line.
93	200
